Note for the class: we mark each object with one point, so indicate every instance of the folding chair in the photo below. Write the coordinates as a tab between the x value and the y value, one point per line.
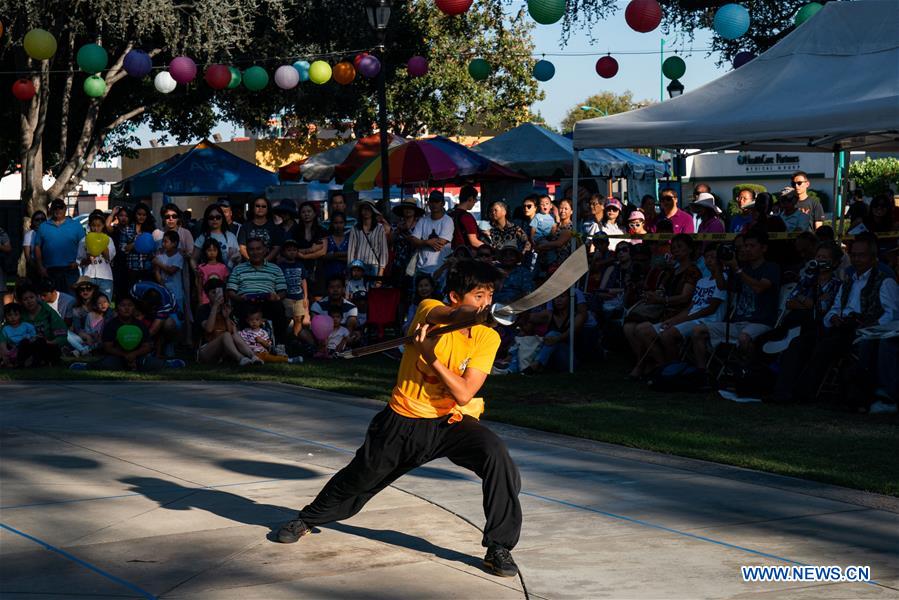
383	308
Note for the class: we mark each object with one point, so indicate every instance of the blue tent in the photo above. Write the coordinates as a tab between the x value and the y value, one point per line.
204	170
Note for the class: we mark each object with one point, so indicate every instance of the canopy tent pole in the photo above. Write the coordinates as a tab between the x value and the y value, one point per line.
838	164
571	291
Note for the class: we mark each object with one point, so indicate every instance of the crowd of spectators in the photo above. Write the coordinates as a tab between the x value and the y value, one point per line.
128	292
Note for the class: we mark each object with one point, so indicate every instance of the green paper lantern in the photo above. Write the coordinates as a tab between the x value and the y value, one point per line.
92	58
674	67
129	337
94	86
319	72
546	12
479	69
40	44
236	78
255	78
806	12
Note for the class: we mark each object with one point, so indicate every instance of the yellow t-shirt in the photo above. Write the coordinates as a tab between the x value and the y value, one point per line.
419	392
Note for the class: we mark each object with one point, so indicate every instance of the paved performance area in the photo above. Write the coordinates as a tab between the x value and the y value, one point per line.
170	490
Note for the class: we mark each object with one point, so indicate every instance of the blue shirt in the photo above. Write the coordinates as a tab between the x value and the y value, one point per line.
59	243
542	224
15	335
294	274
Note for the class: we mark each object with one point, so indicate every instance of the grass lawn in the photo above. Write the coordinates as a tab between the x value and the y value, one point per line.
857	451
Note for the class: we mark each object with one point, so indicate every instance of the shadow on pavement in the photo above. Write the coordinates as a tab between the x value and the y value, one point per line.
268	470
404	540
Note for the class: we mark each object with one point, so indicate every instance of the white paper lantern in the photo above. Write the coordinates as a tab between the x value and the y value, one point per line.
164	83
287	77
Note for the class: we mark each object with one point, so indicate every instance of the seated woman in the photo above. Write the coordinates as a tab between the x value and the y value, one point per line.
669	298
556	315
219	332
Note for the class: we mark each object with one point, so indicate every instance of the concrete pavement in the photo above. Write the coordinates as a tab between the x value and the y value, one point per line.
169	490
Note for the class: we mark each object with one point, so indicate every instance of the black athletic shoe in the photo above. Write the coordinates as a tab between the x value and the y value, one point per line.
292	531
499	561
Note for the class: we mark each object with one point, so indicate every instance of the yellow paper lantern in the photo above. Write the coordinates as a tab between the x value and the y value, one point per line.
96	243
319	72
40	44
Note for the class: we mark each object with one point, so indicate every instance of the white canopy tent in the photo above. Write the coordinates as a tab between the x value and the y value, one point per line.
832	84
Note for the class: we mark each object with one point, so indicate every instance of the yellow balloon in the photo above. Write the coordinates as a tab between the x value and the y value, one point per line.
319	72
96	243
40	44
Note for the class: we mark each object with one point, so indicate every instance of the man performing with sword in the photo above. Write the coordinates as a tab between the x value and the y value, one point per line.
433	411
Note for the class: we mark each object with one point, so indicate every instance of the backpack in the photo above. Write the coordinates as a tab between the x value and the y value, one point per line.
678	377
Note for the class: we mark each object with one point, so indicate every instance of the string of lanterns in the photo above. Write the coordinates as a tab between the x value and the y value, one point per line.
730	21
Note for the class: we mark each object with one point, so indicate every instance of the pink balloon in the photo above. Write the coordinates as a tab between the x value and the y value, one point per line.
417	66
322	326
183	69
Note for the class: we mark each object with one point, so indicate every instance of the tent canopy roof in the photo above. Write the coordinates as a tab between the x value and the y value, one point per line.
834	80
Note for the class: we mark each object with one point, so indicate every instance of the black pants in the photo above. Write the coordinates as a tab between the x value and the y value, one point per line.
63	277
37	353
394	445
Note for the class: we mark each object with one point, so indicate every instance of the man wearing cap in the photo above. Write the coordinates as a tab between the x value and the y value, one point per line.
56	247
465	227
745	200
432	235
806	204
709	214
681	222
793	218
230	224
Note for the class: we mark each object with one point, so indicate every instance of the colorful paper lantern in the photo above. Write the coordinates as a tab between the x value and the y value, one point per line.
643	15
129	337
731	21
674	67
479	69
137	63
417	66
742	58
319	72
96	243
546	12
40	44
286	77
183	69
94	86
607	67
544	70
92	58
358	59
369	66
217	76
806	12
236	78
454	7
255	78
302	68
23	89
164	83
344	73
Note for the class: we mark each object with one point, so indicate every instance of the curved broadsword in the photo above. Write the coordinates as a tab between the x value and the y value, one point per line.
568	273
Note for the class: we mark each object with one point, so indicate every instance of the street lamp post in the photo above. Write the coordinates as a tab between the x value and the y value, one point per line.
378	16
675	88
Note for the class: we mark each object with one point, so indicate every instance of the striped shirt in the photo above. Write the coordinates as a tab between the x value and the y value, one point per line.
247	279
371	248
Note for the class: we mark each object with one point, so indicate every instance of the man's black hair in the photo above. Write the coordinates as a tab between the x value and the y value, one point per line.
14	307
23	289
213	283
339	278
466	275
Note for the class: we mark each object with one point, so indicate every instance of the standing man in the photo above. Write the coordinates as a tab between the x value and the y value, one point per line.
681	221
432	235
337	204
230	224
792	216
745	200
465	228
56	247
806	204
433	413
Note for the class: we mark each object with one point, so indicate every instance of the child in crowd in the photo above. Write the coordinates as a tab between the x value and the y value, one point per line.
337	339
98	268
13	333
212	265
543	225
356	281
360	299
519	279
260	340
296	303
168	265
90	329
425	289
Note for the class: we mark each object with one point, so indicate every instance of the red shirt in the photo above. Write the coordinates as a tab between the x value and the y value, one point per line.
682	222
464	226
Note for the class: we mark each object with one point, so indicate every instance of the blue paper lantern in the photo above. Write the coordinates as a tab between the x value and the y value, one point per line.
137	63
731	21
544	70
302	68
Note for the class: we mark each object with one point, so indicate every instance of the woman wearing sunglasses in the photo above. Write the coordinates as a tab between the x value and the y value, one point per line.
215	227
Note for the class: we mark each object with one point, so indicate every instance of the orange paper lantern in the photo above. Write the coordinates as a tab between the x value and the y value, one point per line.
344	73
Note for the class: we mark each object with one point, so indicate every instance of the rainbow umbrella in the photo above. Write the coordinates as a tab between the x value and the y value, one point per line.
425	161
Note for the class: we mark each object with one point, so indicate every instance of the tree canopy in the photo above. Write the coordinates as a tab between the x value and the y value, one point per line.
602	104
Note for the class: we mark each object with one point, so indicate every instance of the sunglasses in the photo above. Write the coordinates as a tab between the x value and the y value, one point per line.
635	223
799	182
260	205
529	206
85	288
214	218
615	208
170	216
666	198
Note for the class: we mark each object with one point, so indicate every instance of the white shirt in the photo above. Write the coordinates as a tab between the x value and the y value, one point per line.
707	290
429	260
889	299
611	229
100	268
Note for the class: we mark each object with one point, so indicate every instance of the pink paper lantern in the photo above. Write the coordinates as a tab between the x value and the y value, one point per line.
183	69
218	77
417	66
607	67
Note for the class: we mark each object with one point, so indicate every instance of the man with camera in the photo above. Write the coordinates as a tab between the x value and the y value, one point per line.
754	284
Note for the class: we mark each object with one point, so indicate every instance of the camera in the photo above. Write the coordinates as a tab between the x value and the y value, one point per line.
816	266
726	252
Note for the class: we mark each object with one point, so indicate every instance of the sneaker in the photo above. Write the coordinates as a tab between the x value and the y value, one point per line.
244	361
499	561
878	408
175	363
78	366
257	361
295	360
280	350
292	531
778	346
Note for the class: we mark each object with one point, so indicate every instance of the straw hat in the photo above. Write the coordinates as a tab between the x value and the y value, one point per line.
408	203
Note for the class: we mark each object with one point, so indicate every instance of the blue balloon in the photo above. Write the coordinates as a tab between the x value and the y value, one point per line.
731	21
137	63
144	244
544	70
302	68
